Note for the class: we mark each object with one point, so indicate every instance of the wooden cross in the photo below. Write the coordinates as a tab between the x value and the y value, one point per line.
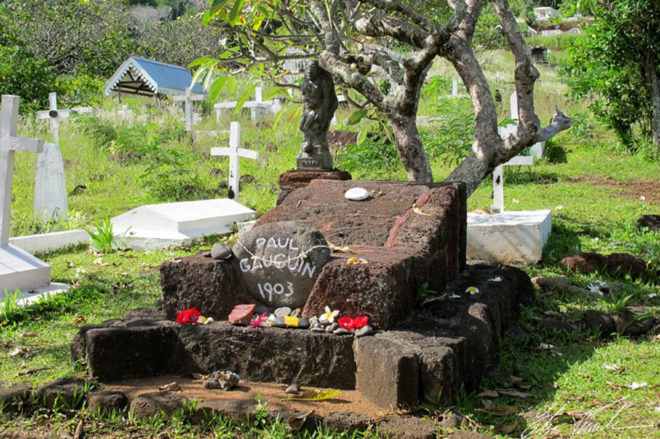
189	98
9	144
54	115
234	152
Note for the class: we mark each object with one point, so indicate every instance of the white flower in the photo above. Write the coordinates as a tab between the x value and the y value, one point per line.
329	315
472	291
563	309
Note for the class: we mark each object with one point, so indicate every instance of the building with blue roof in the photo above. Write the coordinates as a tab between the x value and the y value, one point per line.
146	77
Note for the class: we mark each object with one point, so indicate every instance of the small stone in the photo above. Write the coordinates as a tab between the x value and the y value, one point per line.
228	380
365	330
317	329
341	331
357	194
278	323
303	323
211	384
282	312
314	322
331	327
220	251
296	312
293	389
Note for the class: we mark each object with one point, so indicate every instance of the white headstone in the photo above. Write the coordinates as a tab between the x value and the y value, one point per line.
234	152
50	196
188	98
18	269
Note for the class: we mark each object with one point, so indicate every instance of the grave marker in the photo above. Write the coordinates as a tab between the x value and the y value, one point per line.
18	269
50	196
234	152
258	107
520	160
189	98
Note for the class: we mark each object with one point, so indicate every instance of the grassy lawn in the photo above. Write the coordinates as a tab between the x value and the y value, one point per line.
595	196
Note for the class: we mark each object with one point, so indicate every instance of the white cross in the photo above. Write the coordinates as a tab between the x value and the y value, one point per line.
519	160
9	144
54	115
234	152
189	98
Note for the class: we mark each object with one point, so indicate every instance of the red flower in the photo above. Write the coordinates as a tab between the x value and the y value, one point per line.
353	323
188	316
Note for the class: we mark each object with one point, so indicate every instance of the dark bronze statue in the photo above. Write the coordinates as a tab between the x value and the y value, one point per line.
320	100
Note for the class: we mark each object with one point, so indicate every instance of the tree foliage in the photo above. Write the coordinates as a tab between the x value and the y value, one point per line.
354	41
617	64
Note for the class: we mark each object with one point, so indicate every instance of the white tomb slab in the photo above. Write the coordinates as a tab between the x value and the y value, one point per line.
509	237
19	270
158	226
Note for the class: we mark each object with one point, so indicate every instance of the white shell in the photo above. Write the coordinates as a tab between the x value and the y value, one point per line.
357	194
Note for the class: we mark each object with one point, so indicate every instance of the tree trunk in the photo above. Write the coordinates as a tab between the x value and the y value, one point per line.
412	153
655	100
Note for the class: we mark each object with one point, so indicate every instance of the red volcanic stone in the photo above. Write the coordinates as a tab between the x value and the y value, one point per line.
241	314
297	179
615	264
383	288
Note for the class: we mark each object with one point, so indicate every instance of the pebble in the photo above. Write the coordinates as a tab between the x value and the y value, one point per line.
365	330
332	327
220	251
211	384
293	389
317	329
296	312
226	380
357	194
341	331
314	322
282	312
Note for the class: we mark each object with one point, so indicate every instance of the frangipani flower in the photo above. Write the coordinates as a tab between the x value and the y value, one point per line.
472	290
259	321
328	316
563	309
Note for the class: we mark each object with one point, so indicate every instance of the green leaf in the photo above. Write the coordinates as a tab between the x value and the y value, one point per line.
200	61
216	5
217	87
357	116
315	395
235	13
362	135
244	98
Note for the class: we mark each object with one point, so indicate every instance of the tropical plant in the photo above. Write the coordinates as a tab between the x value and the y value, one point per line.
103	239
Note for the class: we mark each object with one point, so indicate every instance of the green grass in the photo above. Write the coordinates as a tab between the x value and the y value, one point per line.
594	197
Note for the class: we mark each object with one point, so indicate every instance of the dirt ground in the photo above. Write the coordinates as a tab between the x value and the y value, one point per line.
635	189
270	393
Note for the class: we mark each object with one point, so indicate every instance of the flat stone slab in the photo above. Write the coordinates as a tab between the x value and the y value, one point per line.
47	242
508	237
157	226
20	270
37	294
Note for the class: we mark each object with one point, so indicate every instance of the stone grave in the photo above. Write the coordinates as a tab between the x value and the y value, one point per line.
50	195
19	270
509	236
158	226
373	256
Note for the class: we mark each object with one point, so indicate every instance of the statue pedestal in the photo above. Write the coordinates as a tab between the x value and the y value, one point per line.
299	178
316	161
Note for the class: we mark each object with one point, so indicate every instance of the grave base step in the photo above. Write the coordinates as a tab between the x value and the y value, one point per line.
440	349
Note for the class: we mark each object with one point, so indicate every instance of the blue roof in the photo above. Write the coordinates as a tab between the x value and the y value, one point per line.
147	77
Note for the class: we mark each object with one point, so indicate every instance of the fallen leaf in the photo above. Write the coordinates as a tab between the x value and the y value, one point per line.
314	395
587	376
28	334
79	319
614	385
514	381
488	404
21	351
514	393
612	367
295	421
506	428
30	371
419	211
505	410
488	394
171	387
635	385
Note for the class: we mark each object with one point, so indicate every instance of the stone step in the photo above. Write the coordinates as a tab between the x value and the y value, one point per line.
442	348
